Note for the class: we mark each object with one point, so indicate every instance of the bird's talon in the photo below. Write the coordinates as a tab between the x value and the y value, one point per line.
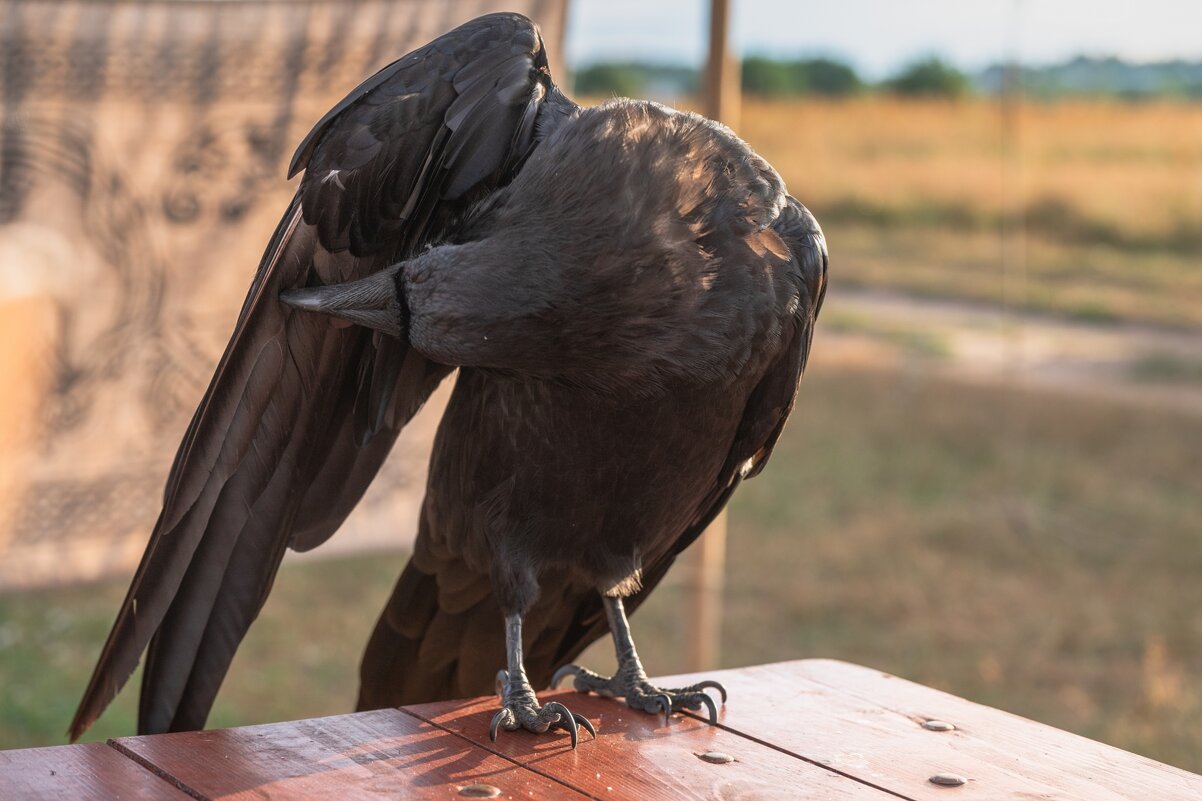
504	715
586	724
523	712
563	672
713	708
566	720
585	681
641	695
709	683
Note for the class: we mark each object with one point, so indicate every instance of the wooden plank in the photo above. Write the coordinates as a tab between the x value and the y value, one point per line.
639	756
869	725
370	755
815	729
89	772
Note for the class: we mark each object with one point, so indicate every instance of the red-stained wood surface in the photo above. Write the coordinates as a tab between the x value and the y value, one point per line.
641	756
813	729
384	754
869	725
91	772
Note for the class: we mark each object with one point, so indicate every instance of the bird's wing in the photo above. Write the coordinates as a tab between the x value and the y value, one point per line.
302	410
771	402
760	427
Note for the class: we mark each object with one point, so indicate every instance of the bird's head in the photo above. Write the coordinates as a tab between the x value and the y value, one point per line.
633	248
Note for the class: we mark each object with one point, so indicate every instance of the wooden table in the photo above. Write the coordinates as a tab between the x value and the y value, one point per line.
814	729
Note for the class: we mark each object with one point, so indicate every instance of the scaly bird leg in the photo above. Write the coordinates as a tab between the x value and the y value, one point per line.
519	705
630	682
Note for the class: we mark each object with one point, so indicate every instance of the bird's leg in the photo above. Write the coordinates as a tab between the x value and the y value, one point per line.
519	705
630	681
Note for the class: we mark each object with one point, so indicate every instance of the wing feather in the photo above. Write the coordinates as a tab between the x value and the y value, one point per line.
762	424
301	413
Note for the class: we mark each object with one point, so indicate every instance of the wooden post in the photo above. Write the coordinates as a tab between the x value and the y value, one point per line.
707	562
703	598
722	97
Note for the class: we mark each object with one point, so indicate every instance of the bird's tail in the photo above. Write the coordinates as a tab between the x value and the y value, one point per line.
427	647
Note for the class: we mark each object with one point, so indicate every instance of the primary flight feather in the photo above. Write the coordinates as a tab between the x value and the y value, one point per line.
628	293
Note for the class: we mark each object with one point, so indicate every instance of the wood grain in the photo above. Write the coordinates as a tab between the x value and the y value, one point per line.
814	729
868	724
371	755
90	772
639	756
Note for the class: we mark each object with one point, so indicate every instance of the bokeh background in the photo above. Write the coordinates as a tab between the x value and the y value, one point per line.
992	482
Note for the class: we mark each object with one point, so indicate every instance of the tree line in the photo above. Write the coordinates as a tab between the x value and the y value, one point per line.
773	78
767	77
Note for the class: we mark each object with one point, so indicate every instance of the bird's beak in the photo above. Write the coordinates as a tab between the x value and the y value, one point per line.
374	301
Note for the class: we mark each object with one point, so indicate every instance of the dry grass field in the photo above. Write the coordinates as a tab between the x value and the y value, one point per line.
1101	202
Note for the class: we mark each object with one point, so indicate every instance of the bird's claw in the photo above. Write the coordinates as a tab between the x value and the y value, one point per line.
504	717
566	670
709	703
570	721
641	694
521	711
694	696
710	683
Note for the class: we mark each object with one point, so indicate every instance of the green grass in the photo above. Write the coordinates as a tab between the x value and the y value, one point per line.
299	660
1029	552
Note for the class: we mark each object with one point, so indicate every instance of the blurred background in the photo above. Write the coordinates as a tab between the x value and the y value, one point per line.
992	483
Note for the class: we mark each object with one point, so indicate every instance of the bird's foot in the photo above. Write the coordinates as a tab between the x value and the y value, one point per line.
641	694
520	710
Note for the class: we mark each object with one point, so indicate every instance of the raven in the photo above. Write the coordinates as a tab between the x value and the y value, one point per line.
628	294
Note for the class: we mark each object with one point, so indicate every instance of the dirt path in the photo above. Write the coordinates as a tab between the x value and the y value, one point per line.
1136	364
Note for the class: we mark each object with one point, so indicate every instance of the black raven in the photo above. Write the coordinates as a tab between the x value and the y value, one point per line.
629	295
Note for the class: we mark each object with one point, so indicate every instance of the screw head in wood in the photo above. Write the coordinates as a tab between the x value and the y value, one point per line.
480	791
948	780
938	725
715	757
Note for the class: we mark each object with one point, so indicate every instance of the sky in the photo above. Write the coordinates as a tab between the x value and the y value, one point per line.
878	36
